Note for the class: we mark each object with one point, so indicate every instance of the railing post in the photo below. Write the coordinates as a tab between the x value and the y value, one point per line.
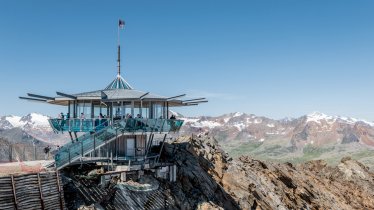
162	126
154	125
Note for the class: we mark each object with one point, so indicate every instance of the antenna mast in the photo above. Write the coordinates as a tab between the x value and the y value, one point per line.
121	25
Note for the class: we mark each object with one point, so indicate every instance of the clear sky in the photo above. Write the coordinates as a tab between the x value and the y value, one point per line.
275	58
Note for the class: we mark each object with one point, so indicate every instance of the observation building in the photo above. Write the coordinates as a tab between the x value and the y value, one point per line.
119	127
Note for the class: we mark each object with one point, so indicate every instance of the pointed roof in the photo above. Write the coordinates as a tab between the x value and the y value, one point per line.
119	83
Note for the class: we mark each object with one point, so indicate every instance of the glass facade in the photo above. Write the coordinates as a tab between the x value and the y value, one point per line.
118	109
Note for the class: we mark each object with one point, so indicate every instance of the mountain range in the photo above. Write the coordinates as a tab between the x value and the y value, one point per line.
312	136
313	129
309	137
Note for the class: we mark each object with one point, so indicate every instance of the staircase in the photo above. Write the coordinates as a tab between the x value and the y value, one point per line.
83	146
91	141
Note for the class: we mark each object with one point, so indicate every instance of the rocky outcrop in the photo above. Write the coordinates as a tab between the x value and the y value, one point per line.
208	179
200	165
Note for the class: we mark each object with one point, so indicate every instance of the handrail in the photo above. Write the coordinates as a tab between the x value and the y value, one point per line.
129	125
91	141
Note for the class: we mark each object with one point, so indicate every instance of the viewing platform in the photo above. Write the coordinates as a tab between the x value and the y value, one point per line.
130	125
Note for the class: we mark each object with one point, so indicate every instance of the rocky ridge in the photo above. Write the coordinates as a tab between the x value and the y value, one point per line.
208	178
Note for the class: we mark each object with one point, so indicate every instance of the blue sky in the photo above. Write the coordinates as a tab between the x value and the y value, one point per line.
272	58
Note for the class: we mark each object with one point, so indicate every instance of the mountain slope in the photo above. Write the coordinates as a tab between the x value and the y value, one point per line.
207	175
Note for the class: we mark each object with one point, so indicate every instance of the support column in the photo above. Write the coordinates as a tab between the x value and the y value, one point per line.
132	109
162	146
68	109
123	176
150	115
141	108
75	107
92	111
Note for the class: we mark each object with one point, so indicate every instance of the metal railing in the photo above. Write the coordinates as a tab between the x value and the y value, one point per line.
90	142
78	125
128	125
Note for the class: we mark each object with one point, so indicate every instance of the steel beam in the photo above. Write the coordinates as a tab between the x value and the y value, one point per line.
40	96
66	95
196	99
32	99
174	97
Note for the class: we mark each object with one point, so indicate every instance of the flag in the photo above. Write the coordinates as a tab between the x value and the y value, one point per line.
121	24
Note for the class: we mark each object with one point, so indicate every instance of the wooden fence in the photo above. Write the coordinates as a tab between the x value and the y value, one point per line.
31	191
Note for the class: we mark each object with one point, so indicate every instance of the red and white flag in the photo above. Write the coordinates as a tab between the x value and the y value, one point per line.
121	24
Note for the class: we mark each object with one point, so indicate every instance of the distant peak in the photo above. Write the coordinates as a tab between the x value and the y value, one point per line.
237	114
316	113
318	117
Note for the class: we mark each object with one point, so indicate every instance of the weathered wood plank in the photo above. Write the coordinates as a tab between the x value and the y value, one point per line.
14	193
31	191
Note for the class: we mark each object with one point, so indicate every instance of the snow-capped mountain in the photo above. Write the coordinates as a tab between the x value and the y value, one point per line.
316	129
34	125
33	120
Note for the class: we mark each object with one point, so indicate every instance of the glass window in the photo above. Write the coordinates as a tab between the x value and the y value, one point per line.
85	108
157	110
126	109
144	110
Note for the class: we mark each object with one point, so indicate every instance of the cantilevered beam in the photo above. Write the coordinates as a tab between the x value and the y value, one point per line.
191	104
196	99
66	95
195	102
174	97
32	99
40	96
144	95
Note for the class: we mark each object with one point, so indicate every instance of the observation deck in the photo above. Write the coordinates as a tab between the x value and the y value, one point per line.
130	125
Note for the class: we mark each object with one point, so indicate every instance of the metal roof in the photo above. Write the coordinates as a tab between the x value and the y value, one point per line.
117	90
113	94
119	83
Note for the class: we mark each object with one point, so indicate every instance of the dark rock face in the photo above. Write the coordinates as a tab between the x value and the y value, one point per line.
197	169
350	138
206	175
